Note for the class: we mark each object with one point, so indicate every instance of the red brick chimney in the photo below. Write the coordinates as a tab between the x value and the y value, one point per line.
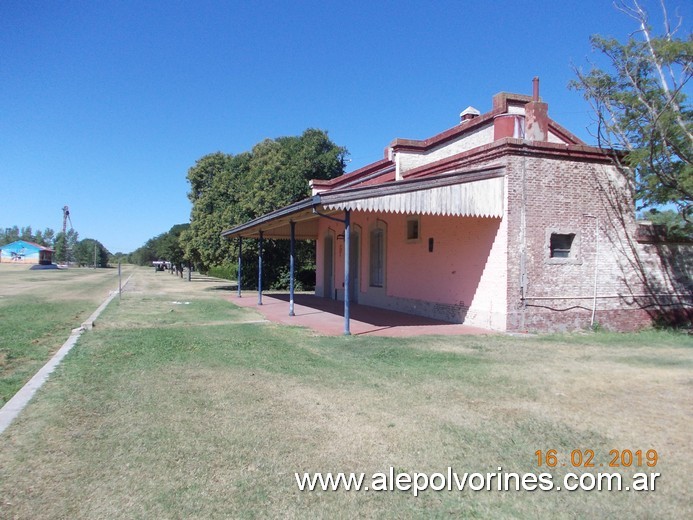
536	116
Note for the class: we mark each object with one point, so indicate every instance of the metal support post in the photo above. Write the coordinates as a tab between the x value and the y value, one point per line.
240	247
347	274
291	268
259	272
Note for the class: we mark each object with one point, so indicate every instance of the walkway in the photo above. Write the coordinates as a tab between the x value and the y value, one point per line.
326	317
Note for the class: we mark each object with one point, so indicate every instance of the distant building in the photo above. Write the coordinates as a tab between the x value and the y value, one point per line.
23	252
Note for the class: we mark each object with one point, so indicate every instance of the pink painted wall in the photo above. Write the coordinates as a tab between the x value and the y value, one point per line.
449	274
464	268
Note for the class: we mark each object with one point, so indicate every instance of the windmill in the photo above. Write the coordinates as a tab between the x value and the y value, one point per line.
66	217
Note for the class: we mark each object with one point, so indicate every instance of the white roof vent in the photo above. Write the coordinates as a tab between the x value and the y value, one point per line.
468	114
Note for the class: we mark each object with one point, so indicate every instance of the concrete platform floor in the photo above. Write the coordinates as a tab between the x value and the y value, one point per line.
326	317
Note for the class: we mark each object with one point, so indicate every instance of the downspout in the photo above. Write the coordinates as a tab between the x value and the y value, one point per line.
523	244
596	264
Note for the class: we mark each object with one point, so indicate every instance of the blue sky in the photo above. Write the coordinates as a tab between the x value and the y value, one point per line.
105	105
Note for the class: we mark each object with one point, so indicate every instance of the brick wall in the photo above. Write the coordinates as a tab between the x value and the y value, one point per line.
568	196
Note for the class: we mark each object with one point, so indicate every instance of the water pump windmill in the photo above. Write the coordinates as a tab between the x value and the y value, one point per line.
66	217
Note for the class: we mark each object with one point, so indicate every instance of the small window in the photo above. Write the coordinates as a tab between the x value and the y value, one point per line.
561	245
413	229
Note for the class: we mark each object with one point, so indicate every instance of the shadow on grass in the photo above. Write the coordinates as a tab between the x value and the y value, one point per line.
208	279
223	288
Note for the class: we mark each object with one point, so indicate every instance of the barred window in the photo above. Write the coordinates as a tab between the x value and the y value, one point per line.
561	245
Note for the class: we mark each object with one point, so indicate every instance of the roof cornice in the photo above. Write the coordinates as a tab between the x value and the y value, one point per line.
512	146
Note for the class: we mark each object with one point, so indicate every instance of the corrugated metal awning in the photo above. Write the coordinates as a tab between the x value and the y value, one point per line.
475	196
470	193
475	199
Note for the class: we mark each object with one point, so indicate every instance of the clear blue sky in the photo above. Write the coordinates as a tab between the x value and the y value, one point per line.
105	105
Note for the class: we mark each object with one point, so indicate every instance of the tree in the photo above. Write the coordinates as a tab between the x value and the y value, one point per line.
170	248
676	228
27	234
83	253
64	249
48	238
227	190
165	246
9	235
642	110
119	256
215	189
43	238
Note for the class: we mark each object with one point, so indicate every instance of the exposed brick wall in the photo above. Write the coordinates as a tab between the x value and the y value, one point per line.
564	196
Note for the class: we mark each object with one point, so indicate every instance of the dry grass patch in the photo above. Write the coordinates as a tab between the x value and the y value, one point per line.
150	418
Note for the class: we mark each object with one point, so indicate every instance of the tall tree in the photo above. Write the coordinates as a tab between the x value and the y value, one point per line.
641	108
27	234
48	237
166	246
12	234
64	249
169	246
89	251
228	190
9	235
215	190
675	227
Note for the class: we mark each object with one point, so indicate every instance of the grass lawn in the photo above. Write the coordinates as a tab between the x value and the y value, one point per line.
38	309
180	405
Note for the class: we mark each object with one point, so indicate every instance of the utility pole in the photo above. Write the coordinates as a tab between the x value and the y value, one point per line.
66	217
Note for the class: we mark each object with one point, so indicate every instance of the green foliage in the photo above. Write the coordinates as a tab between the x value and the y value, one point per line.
29	331
226	271
283	281
214	196
228	190
12	234
65	245
114	258
167	246
27	234
38	317
89	251
275	271
9	235
676	227
642	109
